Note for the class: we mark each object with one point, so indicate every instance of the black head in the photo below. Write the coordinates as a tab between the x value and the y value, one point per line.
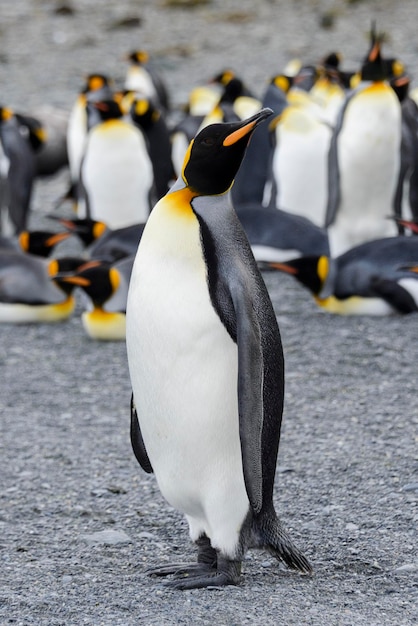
138	57
96	278
215	154
310	271
94	82
144	113
107	109
41	242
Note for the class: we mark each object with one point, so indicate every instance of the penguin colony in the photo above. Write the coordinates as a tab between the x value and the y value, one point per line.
315	178
328	176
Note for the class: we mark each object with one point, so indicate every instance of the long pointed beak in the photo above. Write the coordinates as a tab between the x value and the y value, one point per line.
247	126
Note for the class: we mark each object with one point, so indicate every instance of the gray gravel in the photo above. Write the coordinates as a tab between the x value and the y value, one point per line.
80	521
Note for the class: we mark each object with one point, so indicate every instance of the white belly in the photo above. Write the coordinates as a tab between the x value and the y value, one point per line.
369	158
183	367
117	174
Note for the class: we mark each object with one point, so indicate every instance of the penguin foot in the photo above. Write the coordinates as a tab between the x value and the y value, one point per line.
179	569
197	577
211	570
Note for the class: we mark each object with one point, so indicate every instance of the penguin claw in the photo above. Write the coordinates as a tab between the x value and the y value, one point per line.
199	575
210	580
179	570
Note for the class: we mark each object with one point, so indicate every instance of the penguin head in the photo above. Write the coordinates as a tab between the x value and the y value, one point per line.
313	272
224	77
282	82
95	82
233	89
144	113
63	265
215	154
400	85
85	228
5	114
40	242
138	57
375	67
107	109
96	278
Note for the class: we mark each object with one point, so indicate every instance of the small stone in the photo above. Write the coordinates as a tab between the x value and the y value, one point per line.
107	537
145	535
406	568
410	487
350	526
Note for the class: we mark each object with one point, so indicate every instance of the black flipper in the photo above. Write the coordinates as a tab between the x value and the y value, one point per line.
137	442
394	294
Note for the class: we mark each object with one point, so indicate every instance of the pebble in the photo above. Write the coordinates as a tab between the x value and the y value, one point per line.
107	537
410	487
406	568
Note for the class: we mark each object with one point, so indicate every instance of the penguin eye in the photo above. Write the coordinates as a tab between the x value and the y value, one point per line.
208	141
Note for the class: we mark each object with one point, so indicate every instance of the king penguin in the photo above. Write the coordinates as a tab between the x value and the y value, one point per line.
116	171
206	366
364	160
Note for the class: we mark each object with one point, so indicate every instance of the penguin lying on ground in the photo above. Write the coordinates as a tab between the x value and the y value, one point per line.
206	366
276	235
369	279
38	242
102	242
106	288
30	290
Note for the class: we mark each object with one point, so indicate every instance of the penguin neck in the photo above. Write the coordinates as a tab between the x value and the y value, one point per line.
173	225
179	201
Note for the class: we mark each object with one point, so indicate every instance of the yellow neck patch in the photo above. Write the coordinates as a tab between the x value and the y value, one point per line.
179	202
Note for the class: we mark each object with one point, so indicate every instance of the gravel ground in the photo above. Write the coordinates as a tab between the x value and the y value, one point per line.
80	521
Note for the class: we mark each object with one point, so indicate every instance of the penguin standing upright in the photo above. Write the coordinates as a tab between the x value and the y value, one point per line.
116	171
299	162
206	366
96	88
142	78
152	123
17	174
364	160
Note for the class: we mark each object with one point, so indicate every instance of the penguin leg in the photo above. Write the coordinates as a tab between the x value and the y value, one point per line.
206	561
211	570
227	572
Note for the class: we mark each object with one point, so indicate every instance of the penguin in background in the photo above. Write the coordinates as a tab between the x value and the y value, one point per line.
17	173
373	278
116	171
301	141
251	184
152	123
97	87
206	367
406	197
105	287
142	78
277	235
201	101
364	160
102	242
30	289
